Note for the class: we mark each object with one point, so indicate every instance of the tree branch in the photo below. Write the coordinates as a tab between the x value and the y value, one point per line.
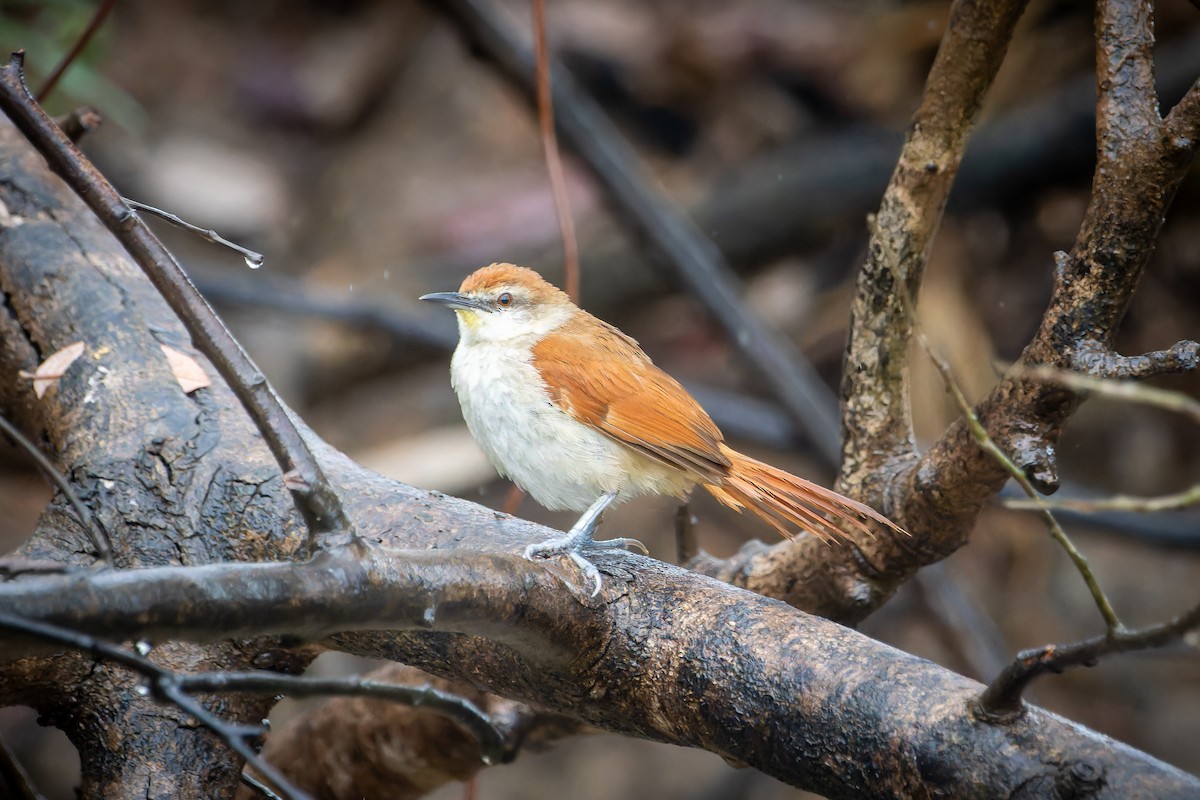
878	451
320	507
807	678
1001	701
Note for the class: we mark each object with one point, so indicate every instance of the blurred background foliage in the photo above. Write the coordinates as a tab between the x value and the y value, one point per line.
363	149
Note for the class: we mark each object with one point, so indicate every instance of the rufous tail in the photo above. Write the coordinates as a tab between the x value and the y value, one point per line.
784	500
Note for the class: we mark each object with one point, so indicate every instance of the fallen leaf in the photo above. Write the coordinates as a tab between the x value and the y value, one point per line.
188	372
50	370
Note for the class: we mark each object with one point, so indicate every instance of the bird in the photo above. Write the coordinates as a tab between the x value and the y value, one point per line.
573	412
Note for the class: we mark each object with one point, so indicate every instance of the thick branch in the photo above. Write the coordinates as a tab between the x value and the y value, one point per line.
939	496
876	419
831	710
876	416
172	477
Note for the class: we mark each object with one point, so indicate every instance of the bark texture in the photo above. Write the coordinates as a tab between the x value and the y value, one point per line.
174	479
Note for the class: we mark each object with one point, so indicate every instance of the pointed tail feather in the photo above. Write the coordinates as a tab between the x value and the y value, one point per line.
784	500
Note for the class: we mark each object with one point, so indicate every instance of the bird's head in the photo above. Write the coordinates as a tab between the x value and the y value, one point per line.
503	302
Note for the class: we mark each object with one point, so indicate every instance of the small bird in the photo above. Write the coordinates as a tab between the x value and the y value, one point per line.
572	411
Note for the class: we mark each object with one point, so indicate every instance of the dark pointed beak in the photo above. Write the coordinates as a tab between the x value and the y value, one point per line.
456	300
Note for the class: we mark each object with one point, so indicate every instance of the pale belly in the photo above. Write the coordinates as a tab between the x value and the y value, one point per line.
563	464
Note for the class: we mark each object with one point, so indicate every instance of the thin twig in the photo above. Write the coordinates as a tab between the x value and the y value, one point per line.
1132	391
1117	502
163	684
512	500
303	476
254	783
985	441
558	181
97	535
254	259
93	26
1001	701
686	545
464	712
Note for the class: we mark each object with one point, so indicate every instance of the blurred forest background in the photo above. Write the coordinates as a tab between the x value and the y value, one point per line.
372	158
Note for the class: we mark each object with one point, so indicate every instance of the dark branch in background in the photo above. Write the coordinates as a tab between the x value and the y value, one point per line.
686	546
254	260
97	535
315	499
691	256
93	26
14	780
1001	701
164	685
290	296
554	165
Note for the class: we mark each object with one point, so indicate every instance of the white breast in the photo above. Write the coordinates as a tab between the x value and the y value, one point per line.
562	463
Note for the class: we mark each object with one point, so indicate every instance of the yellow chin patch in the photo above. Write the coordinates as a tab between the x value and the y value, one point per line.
468	317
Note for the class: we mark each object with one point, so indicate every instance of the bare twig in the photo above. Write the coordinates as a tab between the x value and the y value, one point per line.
93	26
989	446
1129	390
315	498
14	780
686	545
558	181
465	713
257	785
1001	701
254	260
1118	502
512	500
164	685
97	535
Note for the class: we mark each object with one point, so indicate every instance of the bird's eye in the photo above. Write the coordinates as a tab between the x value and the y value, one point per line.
505	299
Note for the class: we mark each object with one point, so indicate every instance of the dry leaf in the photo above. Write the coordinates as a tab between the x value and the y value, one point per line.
50	370
188	372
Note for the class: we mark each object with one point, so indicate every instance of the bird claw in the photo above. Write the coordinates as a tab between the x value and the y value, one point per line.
619	544
574	548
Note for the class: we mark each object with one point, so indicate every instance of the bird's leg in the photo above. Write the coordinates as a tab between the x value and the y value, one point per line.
579	538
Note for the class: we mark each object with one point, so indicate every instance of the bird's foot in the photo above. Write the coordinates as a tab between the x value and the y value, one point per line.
574	547
579	539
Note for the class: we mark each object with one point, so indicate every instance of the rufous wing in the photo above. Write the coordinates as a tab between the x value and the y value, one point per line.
603	378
